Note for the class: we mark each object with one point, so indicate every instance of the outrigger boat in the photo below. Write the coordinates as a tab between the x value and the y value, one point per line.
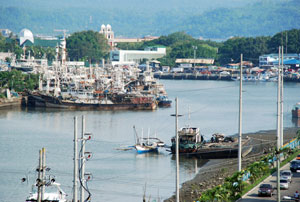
148	144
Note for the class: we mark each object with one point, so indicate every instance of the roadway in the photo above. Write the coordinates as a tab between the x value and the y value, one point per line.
252	195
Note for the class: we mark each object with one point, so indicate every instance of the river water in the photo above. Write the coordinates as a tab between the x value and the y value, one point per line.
123	175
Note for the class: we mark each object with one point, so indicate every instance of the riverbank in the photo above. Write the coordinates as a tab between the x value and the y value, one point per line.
215	171
12	102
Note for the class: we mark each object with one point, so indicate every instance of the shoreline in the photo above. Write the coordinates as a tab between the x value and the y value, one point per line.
214	172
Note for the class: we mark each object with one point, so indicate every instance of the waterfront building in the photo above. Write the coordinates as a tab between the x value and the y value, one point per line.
269	60
202	61
118	57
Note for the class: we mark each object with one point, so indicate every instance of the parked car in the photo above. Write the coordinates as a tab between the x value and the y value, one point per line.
286	174
265	189
284	184
295	165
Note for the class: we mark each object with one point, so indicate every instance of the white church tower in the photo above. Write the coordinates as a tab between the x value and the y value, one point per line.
108	33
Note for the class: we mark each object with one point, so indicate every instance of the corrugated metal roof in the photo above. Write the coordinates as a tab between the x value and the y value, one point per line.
196	61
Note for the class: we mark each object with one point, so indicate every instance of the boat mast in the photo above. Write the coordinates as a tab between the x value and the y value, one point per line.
240	117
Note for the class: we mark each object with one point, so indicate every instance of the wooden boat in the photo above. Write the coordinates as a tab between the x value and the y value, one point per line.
147	144
296	111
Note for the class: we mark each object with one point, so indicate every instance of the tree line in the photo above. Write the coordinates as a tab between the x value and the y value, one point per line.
92	47
180	45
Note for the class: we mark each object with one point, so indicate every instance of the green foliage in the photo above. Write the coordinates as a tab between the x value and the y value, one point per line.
234	187
87	46
251	48
18	81
179	45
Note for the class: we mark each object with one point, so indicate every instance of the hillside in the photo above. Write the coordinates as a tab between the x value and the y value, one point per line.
137	18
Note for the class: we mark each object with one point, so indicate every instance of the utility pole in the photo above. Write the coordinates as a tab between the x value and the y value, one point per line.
240	118
281	100
177	148
39	181
286	41
82	159
177	152
43	172
75	161
278	126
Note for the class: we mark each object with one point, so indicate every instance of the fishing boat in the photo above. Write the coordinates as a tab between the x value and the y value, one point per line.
147	144
192	144
189	139
163	101
296	111
53	193
97	102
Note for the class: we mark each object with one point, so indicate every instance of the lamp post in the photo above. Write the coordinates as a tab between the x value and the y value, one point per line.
195	48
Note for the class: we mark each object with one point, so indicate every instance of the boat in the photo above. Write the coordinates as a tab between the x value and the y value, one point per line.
45	188
97	102
296	111
147	144
192	144
163	101
189	140
53	193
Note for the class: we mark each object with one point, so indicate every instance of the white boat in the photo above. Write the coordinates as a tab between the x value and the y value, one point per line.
148	144
53	193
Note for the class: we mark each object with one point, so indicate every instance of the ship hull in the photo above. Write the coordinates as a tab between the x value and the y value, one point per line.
40	100
214	153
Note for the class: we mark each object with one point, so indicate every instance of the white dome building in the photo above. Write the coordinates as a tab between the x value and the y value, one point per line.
25	35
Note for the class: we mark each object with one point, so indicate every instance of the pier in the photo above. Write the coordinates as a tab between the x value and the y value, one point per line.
198	76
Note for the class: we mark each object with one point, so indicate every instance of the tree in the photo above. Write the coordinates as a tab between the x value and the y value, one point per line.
250	47
87	45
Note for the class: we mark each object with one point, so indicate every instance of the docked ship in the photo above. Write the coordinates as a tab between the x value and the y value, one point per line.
96	102
192	144
73	86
